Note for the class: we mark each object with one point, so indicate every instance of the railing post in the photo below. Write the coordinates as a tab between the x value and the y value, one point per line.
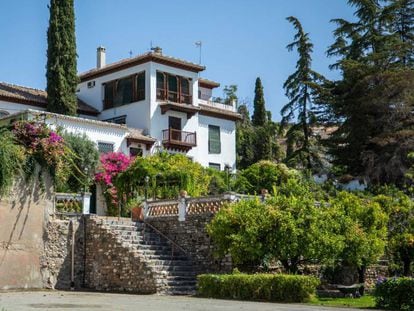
182	206
146	209
86	203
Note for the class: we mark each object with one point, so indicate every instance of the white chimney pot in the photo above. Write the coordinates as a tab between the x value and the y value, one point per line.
100	57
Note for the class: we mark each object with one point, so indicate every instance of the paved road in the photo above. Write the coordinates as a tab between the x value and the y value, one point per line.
82	301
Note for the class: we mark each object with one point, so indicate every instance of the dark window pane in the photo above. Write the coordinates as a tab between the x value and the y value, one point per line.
105	147
214	143
135	152
140	86
172	83
117	120
160	80
109	95
160	85
215	166
123	92
185	86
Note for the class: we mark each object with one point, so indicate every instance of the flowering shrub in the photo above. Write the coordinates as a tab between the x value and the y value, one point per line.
40	140
46	146
111	164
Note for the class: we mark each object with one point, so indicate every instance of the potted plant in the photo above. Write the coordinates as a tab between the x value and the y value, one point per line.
135	205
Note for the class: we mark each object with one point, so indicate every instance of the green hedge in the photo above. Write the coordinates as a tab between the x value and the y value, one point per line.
267	287
395	294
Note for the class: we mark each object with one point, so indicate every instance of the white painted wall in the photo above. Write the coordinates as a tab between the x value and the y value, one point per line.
138	114
205	93
12	108
228	142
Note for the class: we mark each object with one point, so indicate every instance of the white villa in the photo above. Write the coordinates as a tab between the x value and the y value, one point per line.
139	106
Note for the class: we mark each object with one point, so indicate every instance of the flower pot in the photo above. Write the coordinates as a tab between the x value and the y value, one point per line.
137	213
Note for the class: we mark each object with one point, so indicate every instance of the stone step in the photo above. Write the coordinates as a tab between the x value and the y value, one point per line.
181	278
175	274
170	262
179	290
174	268
164	257
167	282
125	228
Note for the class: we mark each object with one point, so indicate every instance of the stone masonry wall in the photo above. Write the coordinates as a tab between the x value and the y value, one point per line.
111	265
56	263
192	236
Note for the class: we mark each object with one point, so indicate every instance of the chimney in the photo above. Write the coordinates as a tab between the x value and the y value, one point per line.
100	57
157	50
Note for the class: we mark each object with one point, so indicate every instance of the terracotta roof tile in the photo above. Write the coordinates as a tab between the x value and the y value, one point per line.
35	97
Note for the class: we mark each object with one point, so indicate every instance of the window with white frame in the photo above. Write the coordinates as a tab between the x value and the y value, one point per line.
104	147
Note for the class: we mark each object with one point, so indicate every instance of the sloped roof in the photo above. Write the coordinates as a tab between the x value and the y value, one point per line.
138	134
209	84
35	97
219	113
140	59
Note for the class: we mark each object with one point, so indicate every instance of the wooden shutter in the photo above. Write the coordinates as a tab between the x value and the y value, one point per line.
214	143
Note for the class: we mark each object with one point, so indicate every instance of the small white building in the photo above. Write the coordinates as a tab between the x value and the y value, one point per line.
158	101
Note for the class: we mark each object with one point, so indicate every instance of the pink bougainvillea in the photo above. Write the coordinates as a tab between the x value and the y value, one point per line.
112	164
40	141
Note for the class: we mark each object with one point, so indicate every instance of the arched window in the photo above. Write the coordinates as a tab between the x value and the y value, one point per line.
3	113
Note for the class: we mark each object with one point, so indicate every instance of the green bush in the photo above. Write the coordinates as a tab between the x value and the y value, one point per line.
11	160
267	287
395	294
263	175
84	158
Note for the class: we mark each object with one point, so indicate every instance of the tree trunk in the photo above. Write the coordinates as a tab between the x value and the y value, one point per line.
406	266
306	131
361	279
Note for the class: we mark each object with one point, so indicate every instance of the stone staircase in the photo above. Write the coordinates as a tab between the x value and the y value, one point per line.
173	270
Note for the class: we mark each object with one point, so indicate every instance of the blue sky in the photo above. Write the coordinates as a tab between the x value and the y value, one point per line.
242	39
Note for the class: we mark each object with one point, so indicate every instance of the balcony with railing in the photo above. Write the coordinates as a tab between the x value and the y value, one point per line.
218	105
177	102
177	139
175	97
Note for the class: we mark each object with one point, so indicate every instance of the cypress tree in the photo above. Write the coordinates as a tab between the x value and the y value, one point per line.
244	139
61	71
260	116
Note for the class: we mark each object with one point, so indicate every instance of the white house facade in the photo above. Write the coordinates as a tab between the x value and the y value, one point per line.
164	97
148	103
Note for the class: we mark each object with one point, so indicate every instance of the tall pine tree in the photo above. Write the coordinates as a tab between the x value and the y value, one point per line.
260	115
61	71
373	102
302	88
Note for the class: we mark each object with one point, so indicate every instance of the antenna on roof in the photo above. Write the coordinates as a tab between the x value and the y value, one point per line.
130	54
199	45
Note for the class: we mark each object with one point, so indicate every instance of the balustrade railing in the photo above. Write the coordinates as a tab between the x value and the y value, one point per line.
179	137
191	206
175	97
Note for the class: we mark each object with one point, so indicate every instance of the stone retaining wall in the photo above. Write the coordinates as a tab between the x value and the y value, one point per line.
111	265
56	263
